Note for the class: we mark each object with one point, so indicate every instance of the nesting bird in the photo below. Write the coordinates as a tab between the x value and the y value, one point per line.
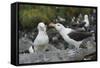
41	41
73	20
86	20
71	36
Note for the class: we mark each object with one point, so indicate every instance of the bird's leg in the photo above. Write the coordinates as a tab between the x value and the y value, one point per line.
45	58
36	50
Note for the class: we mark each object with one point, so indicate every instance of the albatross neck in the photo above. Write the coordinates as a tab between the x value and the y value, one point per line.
42	32
62	30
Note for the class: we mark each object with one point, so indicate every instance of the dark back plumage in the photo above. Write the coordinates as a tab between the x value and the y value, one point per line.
79	36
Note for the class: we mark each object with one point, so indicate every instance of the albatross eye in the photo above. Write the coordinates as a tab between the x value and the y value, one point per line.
58	25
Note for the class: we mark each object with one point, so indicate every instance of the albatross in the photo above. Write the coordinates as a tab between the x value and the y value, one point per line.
81	25
71	36
86	20
41	41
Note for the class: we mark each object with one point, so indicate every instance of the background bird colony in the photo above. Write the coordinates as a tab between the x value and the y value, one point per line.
58	50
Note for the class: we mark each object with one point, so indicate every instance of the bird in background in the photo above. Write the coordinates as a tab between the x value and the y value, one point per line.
86	20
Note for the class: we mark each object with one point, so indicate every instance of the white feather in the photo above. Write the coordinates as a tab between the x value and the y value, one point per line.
41	41
64	33
86	20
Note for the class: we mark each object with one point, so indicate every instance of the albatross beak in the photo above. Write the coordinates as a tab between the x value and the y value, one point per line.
52	25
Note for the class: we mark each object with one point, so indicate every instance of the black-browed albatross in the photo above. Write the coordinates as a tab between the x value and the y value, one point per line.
41	41
71	36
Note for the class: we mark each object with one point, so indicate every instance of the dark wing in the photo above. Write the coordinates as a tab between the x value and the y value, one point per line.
78	36
81	24
79	30
34	36
74	25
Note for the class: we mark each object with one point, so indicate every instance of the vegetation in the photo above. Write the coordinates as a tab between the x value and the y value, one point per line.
31	15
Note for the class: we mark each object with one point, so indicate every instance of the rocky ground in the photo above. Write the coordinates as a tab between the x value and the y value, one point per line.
55	54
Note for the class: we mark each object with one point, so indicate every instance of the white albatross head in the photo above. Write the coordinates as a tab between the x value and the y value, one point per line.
86	16
41	26
86	19
58	26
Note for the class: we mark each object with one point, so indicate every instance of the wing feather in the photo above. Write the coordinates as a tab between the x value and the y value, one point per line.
78	36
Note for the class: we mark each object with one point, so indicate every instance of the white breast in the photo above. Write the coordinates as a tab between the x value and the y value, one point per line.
65	36
72	42
40	43
87	23
41	39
